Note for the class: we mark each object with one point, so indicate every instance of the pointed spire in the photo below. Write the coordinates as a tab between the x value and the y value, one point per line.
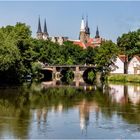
82	28
87	30
39	26
97	33
45	28
87	21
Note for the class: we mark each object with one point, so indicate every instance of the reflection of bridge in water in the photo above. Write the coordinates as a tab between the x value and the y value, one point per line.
77	83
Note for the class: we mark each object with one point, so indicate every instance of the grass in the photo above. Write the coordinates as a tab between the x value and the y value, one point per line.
135	78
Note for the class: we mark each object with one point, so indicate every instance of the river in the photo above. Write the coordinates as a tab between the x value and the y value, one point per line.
40	111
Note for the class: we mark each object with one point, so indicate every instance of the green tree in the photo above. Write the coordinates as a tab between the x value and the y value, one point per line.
89	56
9	57
105	57
129	43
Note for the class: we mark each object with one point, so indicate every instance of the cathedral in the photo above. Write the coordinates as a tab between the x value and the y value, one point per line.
45	36
84	40
84	36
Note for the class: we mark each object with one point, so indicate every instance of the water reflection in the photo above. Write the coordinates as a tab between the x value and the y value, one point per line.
67	112
85	107
118	93
123	93
76	83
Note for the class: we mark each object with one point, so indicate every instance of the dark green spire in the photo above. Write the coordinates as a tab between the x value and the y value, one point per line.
97	33
45	28
39	26
87	30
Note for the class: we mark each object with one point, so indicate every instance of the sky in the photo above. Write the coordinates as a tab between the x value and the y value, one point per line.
63	18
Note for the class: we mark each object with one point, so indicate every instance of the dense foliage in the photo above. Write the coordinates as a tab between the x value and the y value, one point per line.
20	53
129	43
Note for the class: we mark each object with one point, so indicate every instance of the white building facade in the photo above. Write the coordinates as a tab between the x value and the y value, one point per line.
119	65
134	65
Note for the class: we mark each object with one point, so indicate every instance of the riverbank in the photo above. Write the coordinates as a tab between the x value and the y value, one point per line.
124	78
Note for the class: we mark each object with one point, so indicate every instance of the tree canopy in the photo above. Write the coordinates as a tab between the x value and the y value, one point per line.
129	43
19	52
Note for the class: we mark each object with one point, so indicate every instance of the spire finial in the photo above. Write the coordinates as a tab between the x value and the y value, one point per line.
39	26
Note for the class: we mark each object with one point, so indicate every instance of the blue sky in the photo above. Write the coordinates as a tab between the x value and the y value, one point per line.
64	18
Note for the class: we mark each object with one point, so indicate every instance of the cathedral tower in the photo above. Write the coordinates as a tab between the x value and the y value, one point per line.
87	30
97	33
82	35
39	31
45	33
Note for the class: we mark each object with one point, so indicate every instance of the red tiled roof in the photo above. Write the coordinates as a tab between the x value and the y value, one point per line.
95	40
92	42
80	44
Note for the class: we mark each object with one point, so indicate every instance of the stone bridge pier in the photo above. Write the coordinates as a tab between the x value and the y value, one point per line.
78	73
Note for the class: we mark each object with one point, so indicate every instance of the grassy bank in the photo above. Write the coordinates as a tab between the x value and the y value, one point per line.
124	78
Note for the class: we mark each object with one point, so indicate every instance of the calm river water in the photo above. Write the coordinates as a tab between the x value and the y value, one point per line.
38	111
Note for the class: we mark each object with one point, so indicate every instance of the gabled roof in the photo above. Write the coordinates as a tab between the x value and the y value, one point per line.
137	57
123	58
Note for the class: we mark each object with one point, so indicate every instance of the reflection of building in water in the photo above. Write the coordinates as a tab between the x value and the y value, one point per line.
118	93
41	115
134	94
85	107
121	93
84	115
58	108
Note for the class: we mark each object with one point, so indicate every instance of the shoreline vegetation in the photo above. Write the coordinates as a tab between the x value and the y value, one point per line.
124	78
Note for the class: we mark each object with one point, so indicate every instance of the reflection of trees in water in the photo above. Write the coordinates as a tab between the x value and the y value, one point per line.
14	111
68	97
16	104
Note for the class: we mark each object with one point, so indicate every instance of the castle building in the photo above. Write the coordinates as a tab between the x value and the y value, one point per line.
84	36
45	36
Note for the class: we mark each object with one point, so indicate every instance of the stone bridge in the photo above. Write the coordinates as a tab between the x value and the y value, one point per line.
78	70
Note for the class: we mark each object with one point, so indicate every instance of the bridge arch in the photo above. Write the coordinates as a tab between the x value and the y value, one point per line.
67	74
47	74
89	75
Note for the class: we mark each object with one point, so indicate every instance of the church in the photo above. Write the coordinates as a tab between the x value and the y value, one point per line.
84	36
45	36
84	40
